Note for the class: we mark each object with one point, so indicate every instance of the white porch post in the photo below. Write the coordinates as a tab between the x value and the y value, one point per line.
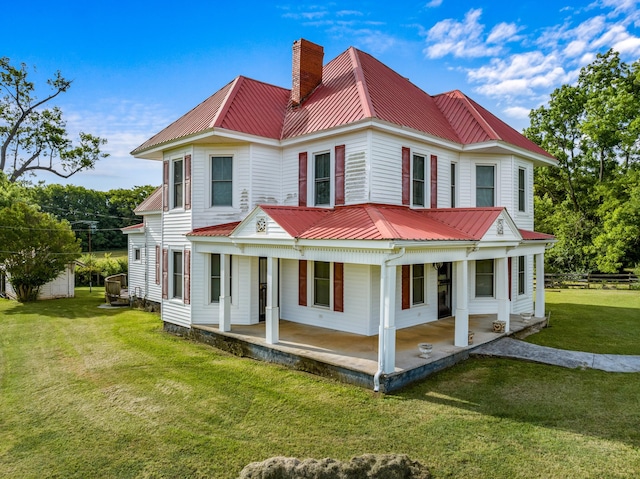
540	306
502	290
461	334
224	323
272	312
387	338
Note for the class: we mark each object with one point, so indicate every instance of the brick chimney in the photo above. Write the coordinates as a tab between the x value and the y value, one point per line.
307	69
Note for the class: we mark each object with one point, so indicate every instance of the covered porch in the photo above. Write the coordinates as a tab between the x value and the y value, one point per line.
353	358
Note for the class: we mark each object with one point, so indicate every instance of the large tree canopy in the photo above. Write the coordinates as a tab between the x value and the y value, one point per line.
590	202
33	137
36	248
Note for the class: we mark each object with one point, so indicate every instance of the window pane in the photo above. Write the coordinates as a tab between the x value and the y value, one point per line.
323	167
321	283
177	183
222	168
418	167
484	278
323	190
453	185
418	283
177	275
521	274
418	193
484	266
484	176
521	190
484	197
177	171
221	193
221	181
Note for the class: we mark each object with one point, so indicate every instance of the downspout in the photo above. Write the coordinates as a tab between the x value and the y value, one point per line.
381	341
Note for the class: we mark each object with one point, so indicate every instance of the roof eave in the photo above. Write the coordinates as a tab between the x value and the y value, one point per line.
537	158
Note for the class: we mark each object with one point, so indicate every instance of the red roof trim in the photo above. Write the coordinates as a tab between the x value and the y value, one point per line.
534	235
226	103
361	85
132	227
224	229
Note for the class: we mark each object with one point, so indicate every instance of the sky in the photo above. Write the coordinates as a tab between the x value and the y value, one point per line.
137	66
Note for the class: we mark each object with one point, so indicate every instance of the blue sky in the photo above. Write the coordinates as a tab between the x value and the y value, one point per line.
138	66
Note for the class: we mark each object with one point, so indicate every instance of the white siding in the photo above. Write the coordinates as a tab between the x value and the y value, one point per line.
153	231
266	176
418	314
137	268
61	287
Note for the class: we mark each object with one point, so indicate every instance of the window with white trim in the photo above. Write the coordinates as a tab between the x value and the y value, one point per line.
216	278
177	274
418	284
485	273
221	181
322	179
418	187
522	264
178	183
485	185
136	254
322	283
522	198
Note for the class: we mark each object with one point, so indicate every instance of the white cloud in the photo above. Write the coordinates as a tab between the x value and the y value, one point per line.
433	4
518	112
460	39
503	32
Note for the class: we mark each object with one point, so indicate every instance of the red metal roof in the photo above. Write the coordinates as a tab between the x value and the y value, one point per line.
534	235
218	230
132	228
355	86
295	220
153	202
474	124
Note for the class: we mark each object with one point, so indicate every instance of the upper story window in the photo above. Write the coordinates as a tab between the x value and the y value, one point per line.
485	185
484	278
522	198
322	283
178	183
418	178
322	179
221	181
453	185
177	274
136	254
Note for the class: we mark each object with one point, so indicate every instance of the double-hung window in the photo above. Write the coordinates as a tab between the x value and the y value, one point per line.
322	179
322	283
221	181
453	185
417	278
521	189
216	278
485	185
178	183
521	274
177	274
418	178
484	278
136	254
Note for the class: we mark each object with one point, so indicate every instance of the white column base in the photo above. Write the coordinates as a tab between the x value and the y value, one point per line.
540	305
390	350
461	335
272	324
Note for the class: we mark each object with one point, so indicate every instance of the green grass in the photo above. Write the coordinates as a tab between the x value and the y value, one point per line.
88	392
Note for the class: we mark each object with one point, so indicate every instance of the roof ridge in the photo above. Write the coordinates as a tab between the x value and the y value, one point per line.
379	220
226	102
480	118
361	84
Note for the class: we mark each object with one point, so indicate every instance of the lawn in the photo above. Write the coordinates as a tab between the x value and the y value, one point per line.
89	392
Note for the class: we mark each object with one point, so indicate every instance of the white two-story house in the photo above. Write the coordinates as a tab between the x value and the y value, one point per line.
353	201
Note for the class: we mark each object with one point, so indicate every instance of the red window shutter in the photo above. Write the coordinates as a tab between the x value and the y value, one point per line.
302	282
158	253
187	182
434	181
406	286
406	176
165	273
165	185
338	287
302	179
339	175
187	276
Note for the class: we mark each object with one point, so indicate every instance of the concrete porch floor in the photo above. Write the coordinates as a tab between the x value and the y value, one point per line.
354	358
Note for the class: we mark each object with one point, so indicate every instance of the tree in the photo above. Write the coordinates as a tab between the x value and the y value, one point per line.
35	138
36	248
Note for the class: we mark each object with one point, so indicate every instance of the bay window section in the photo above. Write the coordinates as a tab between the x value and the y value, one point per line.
221	181
485	185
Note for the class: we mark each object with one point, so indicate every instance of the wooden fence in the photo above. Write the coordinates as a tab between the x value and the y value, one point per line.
587	280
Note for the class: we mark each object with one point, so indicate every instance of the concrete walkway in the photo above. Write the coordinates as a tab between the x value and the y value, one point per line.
513	348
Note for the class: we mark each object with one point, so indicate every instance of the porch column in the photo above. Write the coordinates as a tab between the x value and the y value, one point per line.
272	310
461	334
387	338
225	299
540	306
502	290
